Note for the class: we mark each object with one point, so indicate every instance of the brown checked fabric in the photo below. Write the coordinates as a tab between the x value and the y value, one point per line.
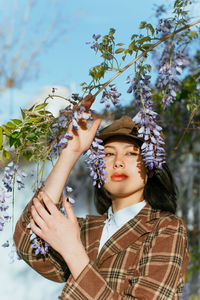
145	259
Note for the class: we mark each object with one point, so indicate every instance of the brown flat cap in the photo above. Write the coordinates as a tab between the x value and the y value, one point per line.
122	127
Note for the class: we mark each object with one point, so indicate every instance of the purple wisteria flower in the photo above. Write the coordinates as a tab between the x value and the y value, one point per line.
95	44
110	95
164	27
11	174
39	246
4	217
13	254
95	162
171	66
66	115
149	131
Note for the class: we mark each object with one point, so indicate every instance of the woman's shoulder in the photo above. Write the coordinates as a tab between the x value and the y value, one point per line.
171	222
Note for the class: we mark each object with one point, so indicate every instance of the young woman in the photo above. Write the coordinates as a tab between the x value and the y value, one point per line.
136	249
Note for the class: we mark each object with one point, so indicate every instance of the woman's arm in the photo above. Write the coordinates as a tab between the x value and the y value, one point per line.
53	265
80	142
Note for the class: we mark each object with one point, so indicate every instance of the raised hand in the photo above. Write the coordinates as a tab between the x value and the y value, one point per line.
83	137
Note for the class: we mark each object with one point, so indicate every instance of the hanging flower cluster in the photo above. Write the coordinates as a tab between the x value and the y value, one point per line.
39	245
95	162
95	44
13	253
171	66
152	149
4	217
110	95
164	26
12	175
66	116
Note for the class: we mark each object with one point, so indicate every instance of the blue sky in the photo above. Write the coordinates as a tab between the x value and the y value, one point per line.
67	62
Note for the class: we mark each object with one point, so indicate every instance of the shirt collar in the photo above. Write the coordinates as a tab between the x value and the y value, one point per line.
125	214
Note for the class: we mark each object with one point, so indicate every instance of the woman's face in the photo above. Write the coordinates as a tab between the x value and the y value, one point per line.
126	171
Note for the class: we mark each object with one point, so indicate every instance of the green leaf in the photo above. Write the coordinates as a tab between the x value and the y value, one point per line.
32	119
120	44
6	130
16	134
151	28
83	83
23	114
134	36
123	57
45	112
143	24
11	125
1	137
178	3
32	107
12	141
146	46
144	39
27	155
32	135
119	50
40	106
132	46
112	31
17	121
193	34
6	154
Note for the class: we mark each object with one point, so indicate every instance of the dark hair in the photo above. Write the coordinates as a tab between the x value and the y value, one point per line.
160	192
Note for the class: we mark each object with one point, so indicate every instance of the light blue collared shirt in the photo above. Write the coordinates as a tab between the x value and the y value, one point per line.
116	220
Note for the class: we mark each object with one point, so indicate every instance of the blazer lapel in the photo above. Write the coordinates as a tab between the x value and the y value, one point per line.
93	230
128	234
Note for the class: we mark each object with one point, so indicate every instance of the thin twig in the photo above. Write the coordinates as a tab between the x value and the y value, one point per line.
166	37
34	113
186	129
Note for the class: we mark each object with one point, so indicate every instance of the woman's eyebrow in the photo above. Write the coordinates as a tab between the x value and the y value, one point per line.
126	146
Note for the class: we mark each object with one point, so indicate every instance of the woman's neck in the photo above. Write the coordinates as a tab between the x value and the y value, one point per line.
122	202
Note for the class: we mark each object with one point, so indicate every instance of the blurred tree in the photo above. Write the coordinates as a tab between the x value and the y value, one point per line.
25	34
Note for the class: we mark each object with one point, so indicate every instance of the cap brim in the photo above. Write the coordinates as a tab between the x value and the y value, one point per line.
106	136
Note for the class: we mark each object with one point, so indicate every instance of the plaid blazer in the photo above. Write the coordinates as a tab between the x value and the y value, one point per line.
145	259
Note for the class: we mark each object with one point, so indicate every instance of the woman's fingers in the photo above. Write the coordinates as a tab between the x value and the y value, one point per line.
49	204
37	218
35	228
69	210
87	101
95	126
40	209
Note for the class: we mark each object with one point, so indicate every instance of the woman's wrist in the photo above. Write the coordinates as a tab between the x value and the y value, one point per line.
77	260
67	152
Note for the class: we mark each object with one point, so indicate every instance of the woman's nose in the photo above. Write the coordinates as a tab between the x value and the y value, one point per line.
119	163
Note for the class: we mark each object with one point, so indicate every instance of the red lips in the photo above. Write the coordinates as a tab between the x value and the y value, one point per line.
118	176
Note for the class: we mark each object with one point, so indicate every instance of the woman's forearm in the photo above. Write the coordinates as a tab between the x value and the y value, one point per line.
56	180
80	142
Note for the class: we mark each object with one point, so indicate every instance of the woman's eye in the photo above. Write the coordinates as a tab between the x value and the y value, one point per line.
132	153
109	154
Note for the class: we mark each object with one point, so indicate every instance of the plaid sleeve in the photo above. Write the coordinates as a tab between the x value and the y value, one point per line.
156	277
51	265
